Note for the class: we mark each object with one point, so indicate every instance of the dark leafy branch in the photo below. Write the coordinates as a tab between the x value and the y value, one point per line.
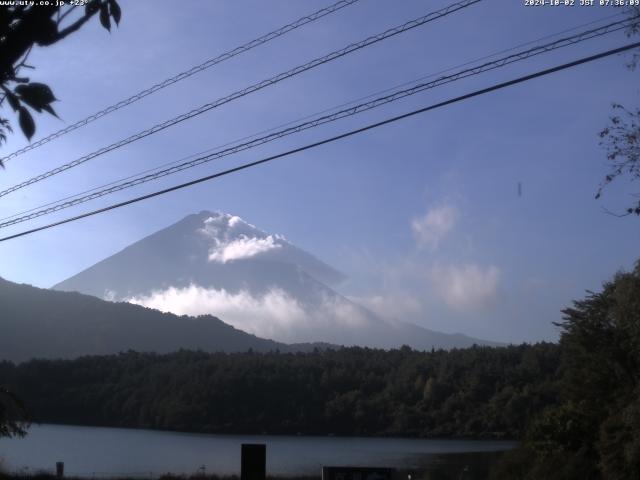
634	29
621	139
23	27
13	415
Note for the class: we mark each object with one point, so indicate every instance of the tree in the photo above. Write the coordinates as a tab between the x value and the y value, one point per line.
622	142
601	343
621	138
13	415
594	431
21	28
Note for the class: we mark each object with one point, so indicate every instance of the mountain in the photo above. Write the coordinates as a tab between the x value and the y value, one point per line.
210	250
49	324
218	264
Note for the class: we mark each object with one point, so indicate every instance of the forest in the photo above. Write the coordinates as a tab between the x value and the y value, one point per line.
574	405
476	392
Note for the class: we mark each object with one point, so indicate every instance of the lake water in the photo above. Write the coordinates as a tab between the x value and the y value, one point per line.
96	452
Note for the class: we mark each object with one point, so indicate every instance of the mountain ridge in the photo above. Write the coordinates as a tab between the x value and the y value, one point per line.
217	263
43	323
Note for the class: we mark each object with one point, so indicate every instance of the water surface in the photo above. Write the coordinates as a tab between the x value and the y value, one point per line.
94	451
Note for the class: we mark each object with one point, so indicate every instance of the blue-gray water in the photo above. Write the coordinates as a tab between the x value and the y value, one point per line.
91	451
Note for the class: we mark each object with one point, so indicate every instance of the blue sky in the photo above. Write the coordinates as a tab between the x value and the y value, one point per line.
422	215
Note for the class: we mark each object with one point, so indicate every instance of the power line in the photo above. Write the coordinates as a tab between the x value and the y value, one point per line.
186	74
291	122
139	180
253	88
350	133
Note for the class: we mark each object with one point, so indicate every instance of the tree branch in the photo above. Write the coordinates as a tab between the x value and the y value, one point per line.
618	215
65	14
72	28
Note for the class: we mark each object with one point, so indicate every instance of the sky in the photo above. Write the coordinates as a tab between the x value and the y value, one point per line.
423	215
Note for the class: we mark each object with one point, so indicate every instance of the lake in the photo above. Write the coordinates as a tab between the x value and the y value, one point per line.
97	452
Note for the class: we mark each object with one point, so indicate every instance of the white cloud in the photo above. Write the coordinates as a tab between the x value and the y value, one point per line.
234	239
465	287
109	295
431	228
242	247
235	220
276	314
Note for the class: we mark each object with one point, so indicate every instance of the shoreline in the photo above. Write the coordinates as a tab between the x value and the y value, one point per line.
275	434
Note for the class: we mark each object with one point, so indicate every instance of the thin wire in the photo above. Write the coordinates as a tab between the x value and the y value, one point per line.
253	88
186	74
350	133
351	102
116	187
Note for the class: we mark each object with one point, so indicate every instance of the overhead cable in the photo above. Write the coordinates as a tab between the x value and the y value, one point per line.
335	138
251	89
185	74
347	112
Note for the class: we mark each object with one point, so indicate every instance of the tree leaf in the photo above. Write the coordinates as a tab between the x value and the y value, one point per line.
49	109
46	32
39	90
4	123
26	122
36	95
13	100
91	7
104	16
4	127
116	13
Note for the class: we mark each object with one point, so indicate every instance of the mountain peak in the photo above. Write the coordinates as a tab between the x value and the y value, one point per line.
230	238
207	248
217	263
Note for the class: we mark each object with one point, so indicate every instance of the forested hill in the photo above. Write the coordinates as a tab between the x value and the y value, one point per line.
574	405
49	324
480	392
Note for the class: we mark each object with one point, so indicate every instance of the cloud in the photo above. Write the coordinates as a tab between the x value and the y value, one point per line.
433	227
396	306
110	295
275	314
465	287
242	247
234	239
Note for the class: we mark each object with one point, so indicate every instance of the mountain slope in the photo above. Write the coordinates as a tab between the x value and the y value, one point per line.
207	249
49	324
218	264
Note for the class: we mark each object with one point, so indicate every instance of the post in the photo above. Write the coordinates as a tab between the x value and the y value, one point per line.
59	469
253	461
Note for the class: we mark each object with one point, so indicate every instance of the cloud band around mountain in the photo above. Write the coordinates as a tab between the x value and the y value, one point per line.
275	314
